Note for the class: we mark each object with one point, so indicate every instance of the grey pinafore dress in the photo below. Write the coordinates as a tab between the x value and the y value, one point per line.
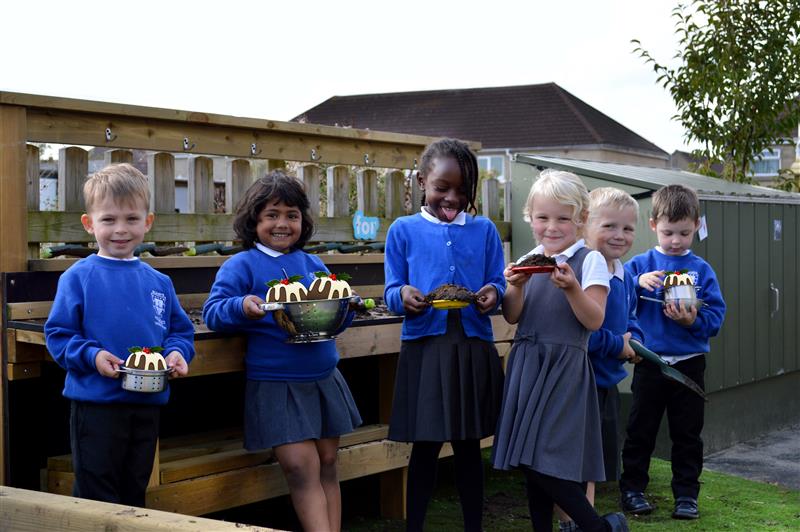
549	418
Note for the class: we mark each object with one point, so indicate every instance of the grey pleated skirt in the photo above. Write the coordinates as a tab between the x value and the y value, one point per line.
448	387
550	420
280	412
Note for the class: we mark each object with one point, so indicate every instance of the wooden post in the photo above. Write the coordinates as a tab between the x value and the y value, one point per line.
118	156
238	177
338	191
395	194
201	185
161	180
309	175
490	205
33	191
393	482
73	166
155	475
416	193
367	191
13	221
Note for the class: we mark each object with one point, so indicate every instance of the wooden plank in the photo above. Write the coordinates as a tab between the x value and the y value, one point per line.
243	486
208	464
24	370
20	352
73	167
393	493
53	103
28	310
117	157
161	179
238	178
13	198
34	511
53	226
32	185
309	174
201	186
367	191
30	337
395	194
416	194
338	186
64	127
204	261
155	476
218	355
370	340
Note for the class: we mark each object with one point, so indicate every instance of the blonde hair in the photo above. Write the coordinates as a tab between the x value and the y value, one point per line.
122	182
564	187
610	197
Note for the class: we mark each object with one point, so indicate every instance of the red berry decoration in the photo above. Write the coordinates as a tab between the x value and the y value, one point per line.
145	350
332	276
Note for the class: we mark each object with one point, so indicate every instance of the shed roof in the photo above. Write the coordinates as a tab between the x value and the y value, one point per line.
655	178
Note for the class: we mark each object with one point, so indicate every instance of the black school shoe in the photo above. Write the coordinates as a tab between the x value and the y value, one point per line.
635	503
685	508
617	521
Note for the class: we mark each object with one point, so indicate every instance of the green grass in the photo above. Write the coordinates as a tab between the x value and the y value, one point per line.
726	503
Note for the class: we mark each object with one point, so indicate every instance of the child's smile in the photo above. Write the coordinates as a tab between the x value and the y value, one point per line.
118	229
279	226
552	225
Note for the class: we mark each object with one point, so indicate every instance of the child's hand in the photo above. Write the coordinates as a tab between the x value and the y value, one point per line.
515	278
627	352
251	306
487	298
413	300
564	278
651	280
681	314
176	361
107	364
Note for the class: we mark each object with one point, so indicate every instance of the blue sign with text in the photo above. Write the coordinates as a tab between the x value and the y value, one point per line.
365	227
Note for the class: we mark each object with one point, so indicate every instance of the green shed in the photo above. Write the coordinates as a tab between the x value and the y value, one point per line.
753	244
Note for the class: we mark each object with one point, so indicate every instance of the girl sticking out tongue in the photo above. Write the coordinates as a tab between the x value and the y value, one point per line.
444	193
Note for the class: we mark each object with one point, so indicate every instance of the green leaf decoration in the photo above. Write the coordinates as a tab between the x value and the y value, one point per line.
321	274
272	283
137	348
134	349
295	278
157	349
343	276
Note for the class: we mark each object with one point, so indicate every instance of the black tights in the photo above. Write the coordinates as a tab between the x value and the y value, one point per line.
544	490
422	480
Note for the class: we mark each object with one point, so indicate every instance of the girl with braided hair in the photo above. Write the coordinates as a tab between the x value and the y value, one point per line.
449	377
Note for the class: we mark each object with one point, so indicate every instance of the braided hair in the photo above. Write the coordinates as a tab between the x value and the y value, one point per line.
467	164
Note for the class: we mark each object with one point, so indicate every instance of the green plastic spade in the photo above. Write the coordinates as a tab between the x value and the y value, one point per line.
667	370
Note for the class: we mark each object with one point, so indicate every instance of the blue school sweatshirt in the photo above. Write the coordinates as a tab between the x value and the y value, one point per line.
605	344
425	254
269	357
110	304
666	337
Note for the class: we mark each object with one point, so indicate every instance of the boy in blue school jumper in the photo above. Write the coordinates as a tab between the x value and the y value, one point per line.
610	229
105	304
681	336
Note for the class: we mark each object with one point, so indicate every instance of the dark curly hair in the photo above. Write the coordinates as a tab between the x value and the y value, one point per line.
467	163
274	187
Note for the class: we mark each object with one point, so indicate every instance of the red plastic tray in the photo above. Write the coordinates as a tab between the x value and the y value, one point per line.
532	269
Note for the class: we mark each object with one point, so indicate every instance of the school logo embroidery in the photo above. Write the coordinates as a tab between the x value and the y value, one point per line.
159	304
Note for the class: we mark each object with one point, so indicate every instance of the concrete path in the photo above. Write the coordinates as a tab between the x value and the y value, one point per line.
774	458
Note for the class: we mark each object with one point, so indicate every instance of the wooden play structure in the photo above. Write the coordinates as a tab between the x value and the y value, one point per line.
201	466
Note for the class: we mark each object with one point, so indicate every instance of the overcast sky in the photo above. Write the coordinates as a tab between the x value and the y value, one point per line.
275	59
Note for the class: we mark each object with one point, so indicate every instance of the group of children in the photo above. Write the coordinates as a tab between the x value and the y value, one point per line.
553	414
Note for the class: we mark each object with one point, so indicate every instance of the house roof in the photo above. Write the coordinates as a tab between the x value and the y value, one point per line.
524	116
654	178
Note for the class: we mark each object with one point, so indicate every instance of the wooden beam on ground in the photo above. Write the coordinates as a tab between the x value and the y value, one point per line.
25	510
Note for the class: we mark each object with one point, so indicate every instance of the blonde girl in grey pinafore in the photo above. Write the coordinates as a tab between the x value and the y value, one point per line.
549	425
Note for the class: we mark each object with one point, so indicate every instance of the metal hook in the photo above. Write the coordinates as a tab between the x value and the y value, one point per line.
110	137
415	164
186	146
253	151
314	155
366	159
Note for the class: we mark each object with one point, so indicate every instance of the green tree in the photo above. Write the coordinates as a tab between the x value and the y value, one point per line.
737	82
